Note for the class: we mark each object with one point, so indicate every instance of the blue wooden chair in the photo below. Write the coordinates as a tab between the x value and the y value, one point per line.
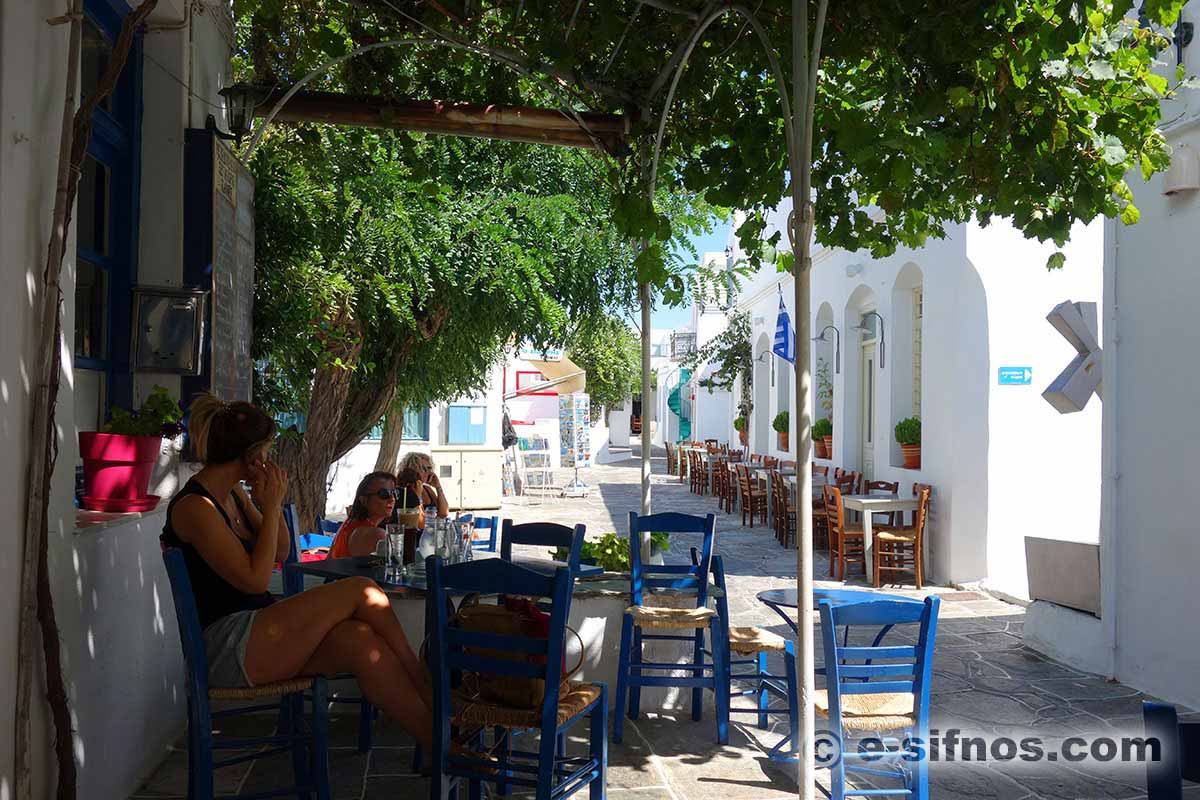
543	534
452	650
878	689
1178	752
631	668
307	741
492	525
293	583
749	675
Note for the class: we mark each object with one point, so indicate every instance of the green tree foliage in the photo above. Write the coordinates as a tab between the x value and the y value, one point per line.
731	355
609	351
930	113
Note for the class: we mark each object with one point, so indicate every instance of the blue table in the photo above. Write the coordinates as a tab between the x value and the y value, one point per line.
393	581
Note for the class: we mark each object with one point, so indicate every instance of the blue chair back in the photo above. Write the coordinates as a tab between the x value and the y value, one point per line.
687	577
878	669
293	582
449	645
1178	752
543	534
492	525
191	635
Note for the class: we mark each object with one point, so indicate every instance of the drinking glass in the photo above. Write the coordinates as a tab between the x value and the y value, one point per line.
395	545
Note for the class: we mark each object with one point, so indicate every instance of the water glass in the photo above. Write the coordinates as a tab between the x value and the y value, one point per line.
395	545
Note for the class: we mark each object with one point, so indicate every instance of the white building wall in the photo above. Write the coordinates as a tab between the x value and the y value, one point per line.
985	448
1149	546
121	653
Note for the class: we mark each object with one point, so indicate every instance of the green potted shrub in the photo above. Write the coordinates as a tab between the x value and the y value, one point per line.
781	425
908	434
119	459
822	433
739	425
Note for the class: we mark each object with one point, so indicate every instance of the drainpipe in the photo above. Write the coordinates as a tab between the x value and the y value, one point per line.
1109	457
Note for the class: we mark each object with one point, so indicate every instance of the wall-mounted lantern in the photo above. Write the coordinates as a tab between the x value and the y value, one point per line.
837	345
863	327
1184	174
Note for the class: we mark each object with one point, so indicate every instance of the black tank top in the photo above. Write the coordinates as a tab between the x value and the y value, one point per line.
215	597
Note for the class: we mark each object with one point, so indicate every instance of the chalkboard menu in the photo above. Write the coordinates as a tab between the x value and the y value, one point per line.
218	255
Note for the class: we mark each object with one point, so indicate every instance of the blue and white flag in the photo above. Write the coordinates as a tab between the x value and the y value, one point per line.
785	337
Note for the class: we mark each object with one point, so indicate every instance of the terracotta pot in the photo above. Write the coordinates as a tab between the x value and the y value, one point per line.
820	448
912	455
783	440
743	437
117	469
828	445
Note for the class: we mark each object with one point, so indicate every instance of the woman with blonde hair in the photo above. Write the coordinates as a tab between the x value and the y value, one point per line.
231	546
374	501
432	499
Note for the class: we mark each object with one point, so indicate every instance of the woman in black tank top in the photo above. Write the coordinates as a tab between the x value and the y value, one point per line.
231	546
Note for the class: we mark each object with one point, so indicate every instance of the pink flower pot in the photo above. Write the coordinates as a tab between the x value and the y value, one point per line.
117	469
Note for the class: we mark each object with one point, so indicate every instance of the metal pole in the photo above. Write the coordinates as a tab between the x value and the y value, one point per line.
800	152
647	409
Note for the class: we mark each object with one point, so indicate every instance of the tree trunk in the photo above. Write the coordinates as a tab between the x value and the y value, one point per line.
36	597
389	443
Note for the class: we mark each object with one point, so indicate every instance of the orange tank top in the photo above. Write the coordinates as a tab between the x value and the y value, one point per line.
341	541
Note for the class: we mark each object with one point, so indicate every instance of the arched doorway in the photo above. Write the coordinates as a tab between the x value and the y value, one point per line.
861	376
761	416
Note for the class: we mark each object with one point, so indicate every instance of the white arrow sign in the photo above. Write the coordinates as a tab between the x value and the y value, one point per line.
1072	389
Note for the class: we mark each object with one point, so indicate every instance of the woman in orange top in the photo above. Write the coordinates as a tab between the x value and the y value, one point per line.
374	500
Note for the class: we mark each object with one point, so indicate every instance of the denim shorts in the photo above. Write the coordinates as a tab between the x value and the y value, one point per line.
225	641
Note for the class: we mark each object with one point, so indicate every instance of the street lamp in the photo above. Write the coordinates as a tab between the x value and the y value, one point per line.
837	346
240	101
861	327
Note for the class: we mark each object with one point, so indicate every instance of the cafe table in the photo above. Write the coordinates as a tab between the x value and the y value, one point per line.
780	599
413	580
868	505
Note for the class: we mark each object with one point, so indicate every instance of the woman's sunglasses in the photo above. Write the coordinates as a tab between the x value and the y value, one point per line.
385	494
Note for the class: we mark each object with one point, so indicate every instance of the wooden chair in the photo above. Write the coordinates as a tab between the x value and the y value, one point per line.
723	485
644	622
877	691
755	458
890	518
306	740
753	501
770	462
671	456
456	710
1180	751
710	444
847	543
787	464
902	549
699	472
736	455
785	511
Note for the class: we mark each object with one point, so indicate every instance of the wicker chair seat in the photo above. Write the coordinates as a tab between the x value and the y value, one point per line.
277	689
657	617
572	700
897	535
888	711
750	641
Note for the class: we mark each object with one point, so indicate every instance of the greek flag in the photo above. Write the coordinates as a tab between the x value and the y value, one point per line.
785	337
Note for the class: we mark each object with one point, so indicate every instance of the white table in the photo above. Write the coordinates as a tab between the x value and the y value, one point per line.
869	505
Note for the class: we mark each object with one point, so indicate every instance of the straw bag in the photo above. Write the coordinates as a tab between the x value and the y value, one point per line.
517	617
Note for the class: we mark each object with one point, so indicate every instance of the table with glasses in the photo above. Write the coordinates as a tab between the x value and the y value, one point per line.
867	505
782	600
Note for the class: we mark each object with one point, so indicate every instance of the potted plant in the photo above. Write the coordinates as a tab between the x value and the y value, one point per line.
739	425
781	425
908	434
119	459
822	433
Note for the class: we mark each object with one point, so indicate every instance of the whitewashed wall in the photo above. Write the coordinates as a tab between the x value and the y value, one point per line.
986	448
120	646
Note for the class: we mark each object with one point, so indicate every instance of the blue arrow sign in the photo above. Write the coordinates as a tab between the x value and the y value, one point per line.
1014	376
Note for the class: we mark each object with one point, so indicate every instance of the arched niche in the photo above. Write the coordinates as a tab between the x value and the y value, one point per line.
904	350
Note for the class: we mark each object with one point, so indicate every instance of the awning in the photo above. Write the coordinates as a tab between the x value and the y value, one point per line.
563	375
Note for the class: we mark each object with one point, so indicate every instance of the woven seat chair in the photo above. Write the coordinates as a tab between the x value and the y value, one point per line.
548	772
878	690
784	512
901	549
847	543
643	622
753	500
306	740
749	676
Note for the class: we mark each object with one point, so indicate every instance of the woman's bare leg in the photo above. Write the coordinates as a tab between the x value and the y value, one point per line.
287	634
353	646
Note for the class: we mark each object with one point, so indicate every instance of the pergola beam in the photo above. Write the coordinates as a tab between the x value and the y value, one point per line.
509	123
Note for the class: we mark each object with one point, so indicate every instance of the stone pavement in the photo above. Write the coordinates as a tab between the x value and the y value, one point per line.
986	684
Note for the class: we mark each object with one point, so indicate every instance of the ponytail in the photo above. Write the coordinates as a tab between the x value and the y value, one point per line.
221	432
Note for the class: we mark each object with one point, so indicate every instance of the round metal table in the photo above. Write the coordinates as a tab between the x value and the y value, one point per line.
779	599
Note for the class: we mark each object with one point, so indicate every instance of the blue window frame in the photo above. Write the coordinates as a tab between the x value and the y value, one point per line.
466	424
416	426
107	209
